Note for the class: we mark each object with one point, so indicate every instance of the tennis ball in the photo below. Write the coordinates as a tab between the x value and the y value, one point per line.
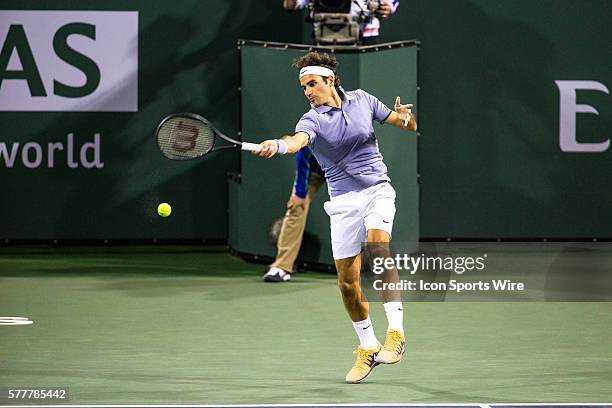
164	209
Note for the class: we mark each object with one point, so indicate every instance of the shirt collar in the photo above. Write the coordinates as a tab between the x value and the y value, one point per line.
345	96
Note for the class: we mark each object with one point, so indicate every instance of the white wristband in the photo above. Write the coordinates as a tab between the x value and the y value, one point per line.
282	146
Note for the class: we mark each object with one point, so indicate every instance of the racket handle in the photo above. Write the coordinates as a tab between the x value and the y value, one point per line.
251	147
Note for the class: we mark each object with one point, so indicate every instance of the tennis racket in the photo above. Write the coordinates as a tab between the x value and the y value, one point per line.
187	136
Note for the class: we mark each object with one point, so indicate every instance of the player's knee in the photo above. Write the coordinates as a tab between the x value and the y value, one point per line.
349	288
379	251
377	236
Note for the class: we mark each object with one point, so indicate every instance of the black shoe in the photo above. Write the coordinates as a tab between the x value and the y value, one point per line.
276	275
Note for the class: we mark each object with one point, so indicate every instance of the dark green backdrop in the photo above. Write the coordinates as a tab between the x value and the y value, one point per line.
490	162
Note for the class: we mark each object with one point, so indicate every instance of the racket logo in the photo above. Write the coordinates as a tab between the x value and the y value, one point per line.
187	136
185	140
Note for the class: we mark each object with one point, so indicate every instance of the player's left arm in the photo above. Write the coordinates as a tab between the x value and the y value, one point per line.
402	117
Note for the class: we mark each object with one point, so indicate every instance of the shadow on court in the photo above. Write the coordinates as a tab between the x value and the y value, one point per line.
153	272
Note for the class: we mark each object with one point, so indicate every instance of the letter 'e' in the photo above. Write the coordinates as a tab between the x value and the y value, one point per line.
567	116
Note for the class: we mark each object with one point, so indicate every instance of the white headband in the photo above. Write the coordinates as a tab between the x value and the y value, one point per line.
317	70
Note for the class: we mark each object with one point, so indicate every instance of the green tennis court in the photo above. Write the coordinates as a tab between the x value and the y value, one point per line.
195	325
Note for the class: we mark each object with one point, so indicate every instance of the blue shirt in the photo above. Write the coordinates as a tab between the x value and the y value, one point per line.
343	141
305	165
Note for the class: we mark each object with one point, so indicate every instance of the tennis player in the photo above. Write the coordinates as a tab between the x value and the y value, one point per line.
338	129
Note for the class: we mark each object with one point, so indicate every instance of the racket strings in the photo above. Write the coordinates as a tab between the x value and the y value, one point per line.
184	138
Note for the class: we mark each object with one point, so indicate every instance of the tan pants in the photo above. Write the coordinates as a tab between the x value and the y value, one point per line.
292	231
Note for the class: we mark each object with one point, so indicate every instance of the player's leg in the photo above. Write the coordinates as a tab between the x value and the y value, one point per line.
355	303
290	237
347	235
379	223
393	348
357	308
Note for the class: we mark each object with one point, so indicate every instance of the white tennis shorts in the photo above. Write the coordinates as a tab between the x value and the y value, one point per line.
352	214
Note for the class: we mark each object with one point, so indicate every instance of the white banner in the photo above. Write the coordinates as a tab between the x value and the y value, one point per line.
69	61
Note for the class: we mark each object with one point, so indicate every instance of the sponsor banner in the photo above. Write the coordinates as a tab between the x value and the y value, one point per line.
69	61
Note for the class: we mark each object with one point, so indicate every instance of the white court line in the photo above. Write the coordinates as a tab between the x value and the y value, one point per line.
491	405
14	321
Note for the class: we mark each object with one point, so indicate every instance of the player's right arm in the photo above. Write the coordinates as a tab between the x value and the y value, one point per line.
294	143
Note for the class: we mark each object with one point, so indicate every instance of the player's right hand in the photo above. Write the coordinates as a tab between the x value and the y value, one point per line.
268	149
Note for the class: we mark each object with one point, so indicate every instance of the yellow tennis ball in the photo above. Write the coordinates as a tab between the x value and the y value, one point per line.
164	209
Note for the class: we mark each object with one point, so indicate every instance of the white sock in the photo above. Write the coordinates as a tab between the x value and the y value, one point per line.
395	316
365	331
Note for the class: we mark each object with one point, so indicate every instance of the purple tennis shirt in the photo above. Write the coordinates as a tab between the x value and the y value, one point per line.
343	141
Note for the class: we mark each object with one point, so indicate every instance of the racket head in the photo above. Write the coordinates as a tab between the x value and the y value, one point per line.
185	136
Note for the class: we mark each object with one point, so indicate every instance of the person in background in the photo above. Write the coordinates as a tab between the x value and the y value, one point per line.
308	179
369	29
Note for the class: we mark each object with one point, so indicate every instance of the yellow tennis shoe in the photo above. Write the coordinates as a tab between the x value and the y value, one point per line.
364	364
393	349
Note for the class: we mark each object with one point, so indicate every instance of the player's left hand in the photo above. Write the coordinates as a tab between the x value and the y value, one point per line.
404	111
383	11
268	149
